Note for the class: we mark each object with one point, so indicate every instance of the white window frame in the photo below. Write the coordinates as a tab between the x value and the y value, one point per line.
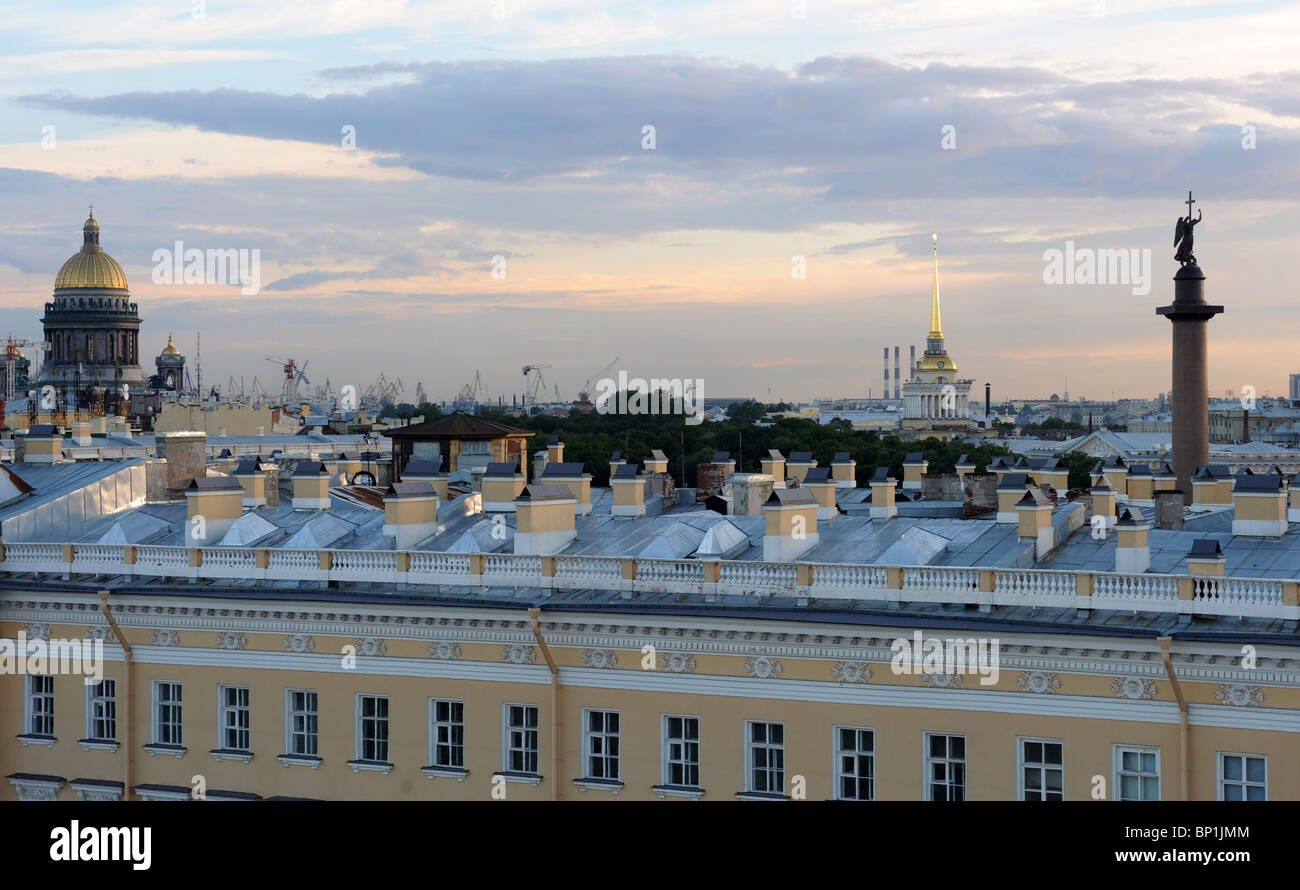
1022	764
752	746
928	760
94	699
449	724
155	712
666	759
837	754
223	709
1220	781
591	738
1117	760
359	736
290	713
29	700
507	728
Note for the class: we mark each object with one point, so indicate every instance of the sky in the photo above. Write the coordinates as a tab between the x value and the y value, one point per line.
437	189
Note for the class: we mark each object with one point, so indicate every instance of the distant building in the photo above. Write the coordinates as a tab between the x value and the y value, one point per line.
1294	390
935	399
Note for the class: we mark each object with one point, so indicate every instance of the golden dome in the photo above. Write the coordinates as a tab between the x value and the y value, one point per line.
171	347
91	267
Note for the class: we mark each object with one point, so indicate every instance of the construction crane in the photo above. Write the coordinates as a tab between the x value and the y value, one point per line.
584	394
470	395
11	363
420	397
533	382
383	391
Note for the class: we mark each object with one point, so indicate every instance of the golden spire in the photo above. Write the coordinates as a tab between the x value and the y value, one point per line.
936	327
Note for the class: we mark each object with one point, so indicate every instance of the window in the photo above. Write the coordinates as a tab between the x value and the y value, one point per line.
234	725
1243	777
1137	773
855	763
681	751
302	715
765	757
600	744
483	447
945	766
101	711
372	728
1042	770
166	713
447	733
521	739
40	704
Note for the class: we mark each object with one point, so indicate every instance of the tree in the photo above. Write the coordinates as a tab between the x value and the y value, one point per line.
747	412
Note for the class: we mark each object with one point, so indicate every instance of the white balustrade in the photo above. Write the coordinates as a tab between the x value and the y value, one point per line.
1137	588
1020	582
849	577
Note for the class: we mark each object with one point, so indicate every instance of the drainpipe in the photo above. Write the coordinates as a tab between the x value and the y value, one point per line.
534	615
126	690
1183	727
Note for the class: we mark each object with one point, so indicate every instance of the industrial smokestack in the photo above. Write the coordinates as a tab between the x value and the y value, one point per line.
897	391
886	389
913	363
988	401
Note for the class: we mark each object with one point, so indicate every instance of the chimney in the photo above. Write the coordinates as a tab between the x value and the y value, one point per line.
999	467
1034	516
261	431
799	464
426	471
186	454
844	470
885	391
749	493
120	428
914	467
774	465
629	492
657	462
790	524
712	476
1010	490
1132	552
1206	558
81	432
615	461
1141	486
555	451
1164	479
882	494
252	478
212	504
1103	502
1293	495
1116	473
575	477
311	486
1169	510
819	482
502	483
43	444
544	519
1212	486
897	375
410	513
1259	506
1050	473
965	466
988	404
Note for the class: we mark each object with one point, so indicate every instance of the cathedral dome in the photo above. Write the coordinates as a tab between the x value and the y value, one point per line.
91	267
170	349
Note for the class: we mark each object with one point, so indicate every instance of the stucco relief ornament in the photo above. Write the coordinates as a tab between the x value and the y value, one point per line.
299	643
1038	681
851	671
518	653
1239	695
99	632
371	646
677	662
599	658
231	640
942	681
1134	688
38	630
763	667
160	637
445	650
